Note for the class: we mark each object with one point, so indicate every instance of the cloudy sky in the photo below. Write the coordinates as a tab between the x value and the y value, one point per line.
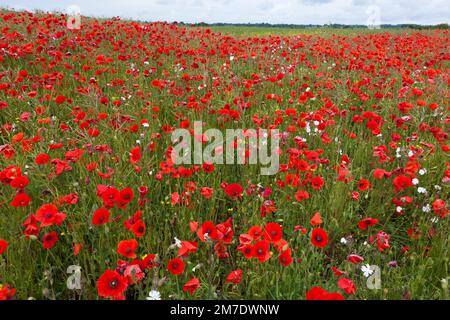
254	11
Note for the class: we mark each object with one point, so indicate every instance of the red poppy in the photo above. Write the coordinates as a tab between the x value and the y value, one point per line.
248	250
76	248
21	200
191	286
111	284
402	182
49	240
272	232
110	196
261	250
148	262
48	215
318	293
127	248
101	216
186	248
176	266
138	228
363	184
135	155
19	182
316	219
125	197
255	232
301	195
234	190
337	272
3	245
285	257
317	183
319	238
354	258
367	222
234	276
208	167
207	229
6	292
347	285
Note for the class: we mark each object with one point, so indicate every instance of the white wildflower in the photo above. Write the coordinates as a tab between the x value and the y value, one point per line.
422	171
421	190
177	242
154	295
366	270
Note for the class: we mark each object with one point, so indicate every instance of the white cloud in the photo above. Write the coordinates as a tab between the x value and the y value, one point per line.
253	11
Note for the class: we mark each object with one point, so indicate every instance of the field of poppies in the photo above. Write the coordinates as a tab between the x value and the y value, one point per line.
92	205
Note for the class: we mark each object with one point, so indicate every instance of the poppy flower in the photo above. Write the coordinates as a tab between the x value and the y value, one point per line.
125	197
3	245
133	273
367	222
110	196
354	258
175	266
21	200
135	155
272	232
111	284
101	216
285	257
207	231
316	219
127	248
76	249
186	248
138	228
347	285
49	240
48	215
301	195
19	182
319	238
255	232
191	286
233	190
318	293
261	250
247	250
402	182
337	272
234	276
363	184
148	262
382	241
208	167
317	183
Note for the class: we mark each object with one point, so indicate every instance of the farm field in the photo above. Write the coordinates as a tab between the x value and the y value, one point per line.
94	205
